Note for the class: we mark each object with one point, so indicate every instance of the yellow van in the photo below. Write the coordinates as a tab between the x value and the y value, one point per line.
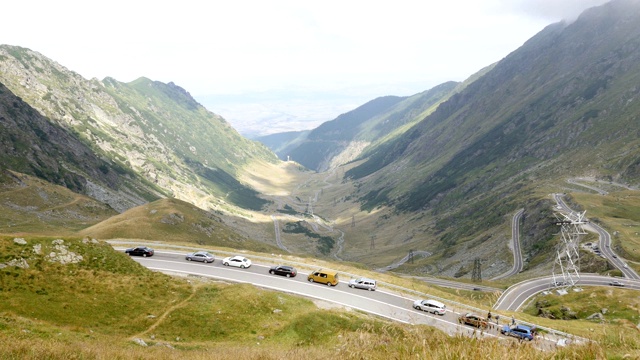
328	277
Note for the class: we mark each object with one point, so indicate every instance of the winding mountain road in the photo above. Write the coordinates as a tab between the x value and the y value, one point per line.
517	295
604	242
388	301
406	258
515	245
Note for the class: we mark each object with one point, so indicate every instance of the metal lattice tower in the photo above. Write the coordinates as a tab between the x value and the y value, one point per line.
566	269
476	273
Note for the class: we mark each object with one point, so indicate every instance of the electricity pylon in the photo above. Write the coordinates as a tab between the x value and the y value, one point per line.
566	268
476	273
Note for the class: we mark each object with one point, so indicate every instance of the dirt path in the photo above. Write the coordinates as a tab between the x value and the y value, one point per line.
161	318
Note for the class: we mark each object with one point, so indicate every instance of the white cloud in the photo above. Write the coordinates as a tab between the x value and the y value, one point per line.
552	10
241	46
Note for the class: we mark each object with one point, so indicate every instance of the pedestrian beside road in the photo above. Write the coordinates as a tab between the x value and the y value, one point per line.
513	320
497	319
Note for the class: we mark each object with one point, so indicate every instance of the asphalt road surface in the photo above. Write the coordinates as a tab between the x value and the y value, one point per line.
515	243
382	302
517	295
604	243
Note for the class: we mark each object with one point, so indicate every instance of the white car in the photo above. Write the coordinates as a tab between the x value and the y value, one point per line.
432	306
237	261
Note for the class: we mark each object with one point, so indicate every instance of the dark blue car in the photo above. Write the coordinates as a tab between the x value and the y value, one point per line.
518	331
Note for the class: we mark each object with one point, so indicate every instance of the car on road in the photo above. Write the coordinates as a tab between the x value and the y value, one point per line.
327	277
201	256
473	320
616	283
363	283
288	271
237	261
140	251
432	306
519	331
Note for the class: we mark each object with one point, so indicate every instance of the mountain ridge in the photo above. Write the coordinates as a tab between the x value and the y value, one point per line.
157	130
440	171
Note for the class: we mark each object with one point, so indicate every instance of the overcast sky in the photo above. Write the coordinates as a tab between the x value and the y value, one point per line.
237	47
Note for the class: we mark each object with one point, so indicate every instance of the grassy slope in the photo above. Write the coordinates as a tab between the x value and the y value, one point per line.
619	213
87	310
31	205
54	311
176	221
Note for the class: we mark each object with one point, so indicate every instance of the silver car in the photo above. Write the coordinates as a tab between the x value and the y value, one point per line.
201	256
363	283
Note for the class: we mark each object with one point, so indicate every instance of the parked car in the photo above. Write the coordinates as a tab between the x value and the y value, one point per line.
518	331
140	251
201	256
616	283
432	306
237	261
363	283
473	320
288	271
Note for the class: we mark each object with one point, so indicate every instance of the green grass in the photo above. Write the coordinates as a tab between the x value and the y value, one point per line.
621	305
36	206
106	291
242	313
619	213
174	221
96	307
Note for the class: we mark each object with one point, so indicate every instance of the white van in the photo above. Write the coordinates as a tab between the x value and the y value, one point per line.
432	306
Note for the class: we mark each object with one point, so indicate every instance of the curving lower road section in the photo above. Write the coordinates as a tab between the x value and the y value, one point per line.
517	295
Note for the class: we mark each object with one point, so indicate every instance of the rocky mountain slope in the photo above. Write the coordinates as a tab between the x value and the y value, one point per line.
156	131
565	104
341	140
31	144
440	172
